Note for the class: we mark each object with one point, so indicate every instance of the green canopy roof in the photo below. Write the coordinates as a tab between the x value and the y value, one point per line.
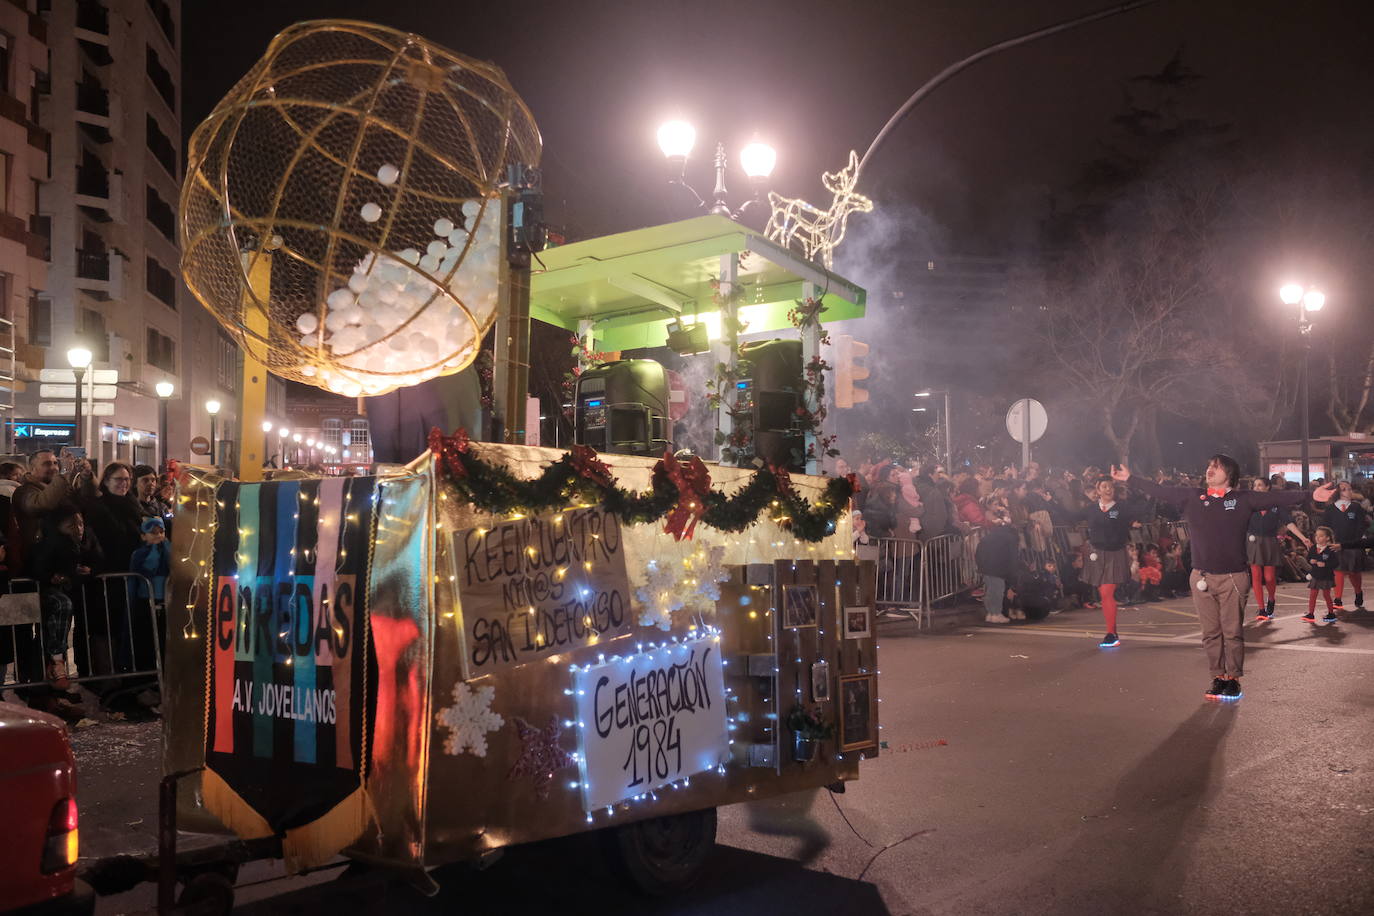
632	284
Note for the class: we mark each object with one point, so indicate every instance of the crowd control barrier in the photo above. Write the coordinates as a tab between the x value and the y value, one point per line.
109	632
913	575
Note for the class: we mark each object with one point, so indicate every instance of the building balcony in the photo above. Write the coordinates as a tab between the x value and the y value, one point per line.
93	182
92	265
163	14
93	99
91	16
100	274
98	192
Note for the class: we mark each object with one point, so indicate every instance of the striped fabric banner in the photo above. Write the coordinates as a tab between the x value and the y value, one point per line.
283	748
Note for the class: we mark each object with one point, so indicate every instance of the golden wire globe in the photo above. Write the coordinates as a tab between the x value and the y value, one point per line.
342	213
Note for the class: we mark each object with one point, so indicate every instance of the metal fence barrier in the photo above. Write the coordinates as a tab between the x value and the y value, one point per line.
107	633
913	575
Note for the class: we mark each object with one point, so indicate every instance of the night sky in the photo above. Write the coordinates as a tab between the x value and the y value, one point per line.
981	154
971	172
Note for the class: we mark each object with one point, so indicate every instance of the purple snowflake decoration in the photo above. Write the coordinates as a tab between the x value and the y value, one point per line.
541	755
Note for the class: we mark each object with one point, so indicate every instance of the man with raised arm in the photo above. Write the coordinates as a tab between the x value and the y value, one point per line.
1217	518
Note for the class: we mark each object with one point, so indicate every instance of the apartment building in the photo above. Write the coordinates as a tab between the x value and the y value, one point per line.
106	94
24	149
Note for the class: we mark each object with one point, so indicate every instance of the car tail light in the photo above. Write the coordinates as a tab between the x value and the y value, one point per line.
60	848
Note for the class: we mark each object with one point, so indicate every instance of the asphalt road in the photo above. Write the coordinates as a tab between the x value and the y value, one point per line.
1070	779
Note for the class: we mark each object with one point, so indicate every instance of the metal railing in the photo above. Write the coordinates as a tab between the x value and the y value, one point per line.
914	575
107	633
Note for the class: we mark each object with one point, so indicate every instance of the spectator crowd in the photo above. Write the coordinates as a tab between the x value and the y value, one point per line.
87	555
1027	528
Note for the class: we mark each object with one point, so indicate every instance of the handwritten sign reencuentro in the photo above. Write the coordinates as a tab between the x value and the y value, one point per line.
650	720
536	586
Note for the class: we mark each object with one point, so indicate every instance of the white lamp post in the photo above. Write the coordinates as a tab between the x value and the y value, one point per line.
79	358
757	159
1307	299
164	391
212	408
949	458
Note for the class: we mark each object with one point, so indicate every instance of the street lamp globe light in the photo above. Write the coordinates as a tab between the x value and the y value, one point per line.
78	357
676	139
267	426
1291	293
296	437
283	432
1313	300
212	407
164	389
757	159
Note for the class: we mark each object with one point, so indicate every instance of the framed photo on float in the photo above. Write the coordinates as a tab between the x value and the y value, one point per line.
820	682
800	606
858	712
858	623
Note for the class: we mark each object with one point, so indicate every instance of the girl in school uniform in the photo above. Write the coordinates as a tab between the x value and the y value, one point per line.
1263	551
1108	563
1349	524
1323	557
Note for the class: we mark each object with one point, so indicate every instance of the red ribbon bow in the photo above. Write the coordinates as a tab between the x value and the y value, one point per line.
447	450
783	478
693	482
1216	493
585	462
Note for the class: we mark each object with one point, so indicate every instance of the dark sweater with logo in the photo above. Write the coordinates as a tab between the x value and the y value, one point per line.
1350	525
1110	530
1217	524
1268	523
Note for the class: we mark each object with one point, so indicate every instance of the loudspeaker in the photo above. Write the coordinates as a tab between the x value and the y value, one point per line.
775	394
622	407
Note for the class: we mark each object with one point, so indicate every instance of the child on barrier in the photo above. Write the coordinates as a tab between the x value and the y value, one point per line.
62	560
1323	557
153	562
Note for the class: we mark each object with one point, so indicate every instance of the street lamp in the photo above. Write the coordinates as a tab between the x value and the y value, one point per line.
1307	299
212	408
949	458
164	391
79	358
757	159
297	450
266	442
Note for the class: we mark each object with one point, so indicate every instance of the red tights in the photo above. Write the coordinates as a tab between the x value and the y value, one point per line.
1108	595
1312	599
1355	582
1266	576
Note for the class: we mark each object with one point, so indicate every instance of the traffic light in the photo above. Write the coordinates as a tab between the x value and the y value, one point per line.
849	369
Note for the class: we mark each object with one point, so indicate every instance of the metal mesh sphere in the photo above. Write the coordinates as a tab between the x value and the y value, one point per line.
340	214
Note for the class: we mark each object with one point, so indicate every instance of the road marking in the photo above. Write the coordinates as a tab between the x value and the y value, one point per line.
1095	634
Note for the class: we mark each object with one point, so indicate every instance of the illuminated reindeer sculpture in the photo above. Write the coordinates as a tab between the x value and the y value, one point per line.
817	232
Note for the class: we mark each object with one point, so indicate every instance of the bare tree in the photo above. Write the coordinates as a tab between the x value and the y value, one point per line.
1125	324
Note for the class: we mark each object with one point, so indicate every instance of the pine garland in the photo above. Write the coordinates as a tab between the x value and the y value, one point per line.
580	476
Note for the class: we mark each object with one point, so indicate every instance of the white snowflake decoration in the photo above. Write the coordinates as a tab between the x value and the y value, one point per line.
469	719
693	585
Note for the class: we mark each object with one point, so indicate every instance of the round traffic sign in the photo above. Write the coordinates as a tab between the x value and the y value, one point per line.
200	446
1016	419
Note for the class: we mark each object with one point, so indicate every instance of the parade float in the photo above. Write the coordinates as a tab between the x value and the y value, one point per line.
494	643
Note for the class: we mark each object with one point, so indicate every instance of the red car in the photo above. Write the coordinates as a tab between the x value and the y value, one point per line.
38	843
